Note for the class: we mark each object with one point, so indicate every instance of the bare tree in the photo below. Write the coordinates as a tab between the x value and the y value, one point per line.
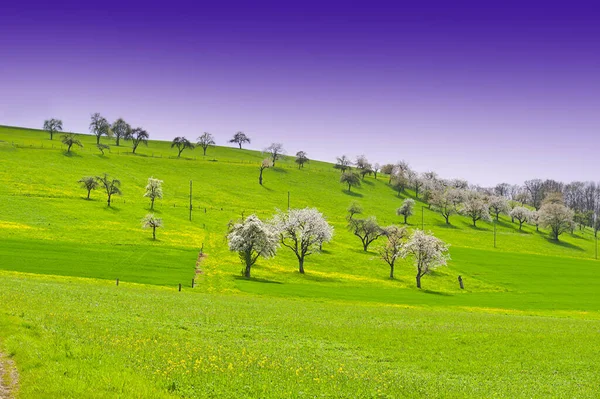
427	251
301	159
392	250
366	229
354	209
205	141
137	137
303	231
502	190
181	143
375	169
89	183
121	130
240	138
264	165
102	147
70	140
535	188
53	126
251	239
275	151
152	222
99	126
110	185
343	163
351	179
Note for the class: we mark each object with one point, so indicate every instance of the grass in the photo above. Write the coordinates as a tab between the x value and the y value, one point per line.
525	326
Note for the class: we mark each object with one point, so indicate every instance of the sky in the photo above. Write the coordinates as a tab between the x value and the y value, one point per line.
498	92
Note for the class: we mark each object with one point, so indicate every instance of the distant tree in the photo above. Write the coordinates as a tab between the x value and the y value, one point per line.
556	217
89	183
406	209
252	238
99	126
264	165
583	219
137	137
53	126
354	209
427	251
120	130
498	205
535	188
366	229
476	208
521	214
553	198
181	143
392	250
240	138
351	179
110	185
151	222
446	202
502	190
596	226
343	163
70	140
459	184
275	151
399	183
363	166
153	190
102	147
375	169
303	231
415	181
205	141
301	159
388	169
534	219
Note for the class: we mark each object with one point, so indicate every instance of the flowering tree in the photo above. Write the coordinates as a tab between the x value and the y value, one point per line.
556	217
406	209
534	218
498	205
445	202
275	151
252	238
392	250
151	222
476	208
153	190
427	251
521	214
303	231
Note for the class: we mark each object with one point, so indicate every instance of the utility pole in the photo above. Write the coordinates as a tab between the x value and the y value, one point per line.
422	218
288	200
190	200
494	233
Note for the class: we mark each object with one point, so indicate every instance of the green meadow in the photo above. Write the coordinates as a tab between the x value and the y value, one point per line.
527	323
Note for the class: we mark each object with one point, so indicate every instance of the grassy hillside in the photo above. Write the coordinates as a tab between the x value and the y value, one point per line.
529	313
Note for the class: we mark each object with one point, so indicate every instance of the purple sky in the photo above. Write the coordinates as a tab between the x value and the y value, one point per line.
486	93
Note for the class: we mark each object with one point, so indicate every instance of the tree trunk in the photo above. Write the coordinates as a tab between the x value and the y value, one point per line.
69	148
240	144
109	200
260	177
204	149
154	232
520	226
349	188
97	139
447	219
419	280
179	155
391	272
301	265
474	223
118	138
89	191
405	217
365	246
152	204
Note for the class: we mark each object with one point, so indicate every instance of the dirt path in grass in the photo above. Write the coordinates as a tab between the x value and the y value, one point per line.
8	377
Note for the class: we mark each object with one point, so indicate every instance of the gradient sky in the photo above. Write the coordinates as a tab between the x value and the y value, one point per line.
489	93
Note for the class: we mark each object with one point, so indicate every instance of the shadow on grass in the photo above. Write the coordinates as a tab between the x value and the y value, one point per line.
477	228
318	279
436	293
352	193
279	170
267	188
112	209
368	183
257	280
564	244
71	155
445	225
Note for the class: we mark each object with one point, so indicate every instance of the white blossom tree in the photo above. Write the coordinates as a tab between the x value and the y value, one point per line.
151	222
303	231
251	239
520	214
446	202
476	208
498	205
392	249
153	190
556	217
275	151
534	219
427	252
406	209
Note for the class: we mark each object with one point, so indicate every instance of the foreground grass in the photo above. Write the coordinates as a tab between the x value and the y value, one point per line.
87	338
